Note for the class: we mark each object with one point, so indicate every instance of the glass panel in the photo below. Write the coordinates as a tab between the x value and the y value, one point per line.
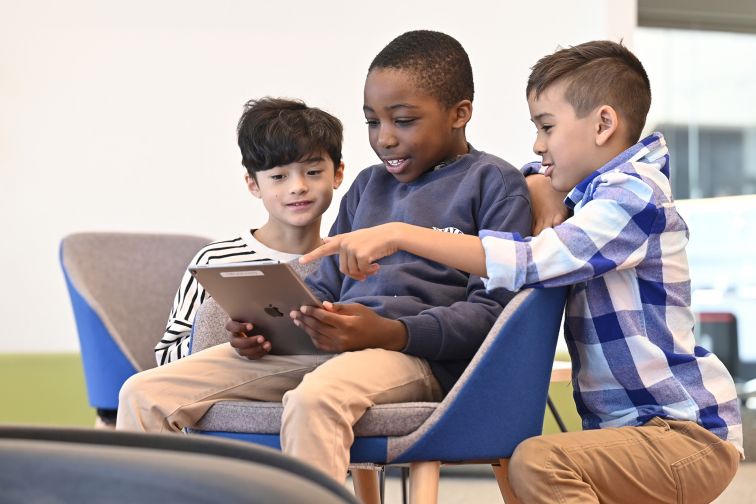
704	101
703	88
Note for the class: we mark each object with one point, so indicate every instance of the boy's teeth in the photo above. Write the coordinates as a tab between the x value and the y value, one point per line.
394	162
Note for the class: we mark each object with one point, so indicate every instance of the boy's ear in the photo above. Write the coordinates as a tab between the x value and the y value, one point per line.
338	175
462	113
252	186
607	123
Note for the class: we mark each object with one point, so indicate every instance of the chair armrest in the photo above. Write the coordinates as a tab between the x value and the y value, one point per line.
209	328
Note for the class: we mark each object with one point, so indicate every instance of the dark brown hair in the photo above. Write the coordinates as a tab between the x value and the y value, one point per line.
598	73
277	131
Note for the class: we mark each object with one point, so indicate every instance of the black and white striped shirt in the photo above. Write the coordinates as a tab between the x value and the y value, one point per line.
190	295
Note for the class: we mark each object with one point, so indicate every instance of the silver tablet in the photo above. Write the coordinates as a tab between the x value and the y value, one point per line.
262	294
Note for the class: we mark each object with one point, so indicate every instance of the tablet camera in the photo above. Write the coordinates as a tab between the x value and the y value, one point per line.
273	311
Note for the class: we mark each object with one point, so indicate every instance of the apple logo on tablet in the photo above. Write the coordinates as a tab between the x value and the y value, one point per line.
273	311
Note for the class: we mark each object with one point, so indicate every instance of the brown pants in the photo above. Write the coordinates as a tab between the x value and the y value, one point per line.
323	396
663	461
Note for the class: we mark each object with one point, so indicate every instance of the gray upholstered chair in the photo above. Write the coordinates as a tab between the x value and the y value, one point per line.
121	287
499	401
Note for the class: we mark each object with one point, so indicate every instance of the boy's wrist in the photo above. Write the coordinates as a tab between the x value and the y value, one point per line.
397	340
397	234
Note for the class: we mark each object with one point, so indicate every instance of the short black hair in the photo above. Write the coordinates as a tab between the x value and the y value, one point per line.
438	63
278	131
600	72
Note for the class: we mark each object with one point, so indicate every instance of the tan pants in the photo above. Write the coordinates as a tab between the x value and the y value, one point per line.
662	462
323	396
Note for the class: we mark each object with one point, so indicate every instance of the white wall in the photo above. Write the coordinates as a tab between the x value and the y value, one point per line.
121	115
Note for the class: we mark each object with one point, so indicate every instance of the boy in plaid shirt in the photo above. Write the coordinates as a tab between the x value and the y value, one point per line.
661	415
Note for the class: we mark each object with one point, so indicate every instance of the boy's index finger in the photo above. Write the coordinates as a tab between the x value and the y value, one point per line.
330	247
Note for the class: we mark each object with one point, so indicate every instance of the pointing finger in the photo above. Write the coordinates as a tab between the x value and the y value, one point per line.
329	248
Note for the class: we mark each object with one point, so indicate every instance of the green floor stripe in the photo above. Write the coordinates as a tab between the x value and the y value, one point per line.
43	389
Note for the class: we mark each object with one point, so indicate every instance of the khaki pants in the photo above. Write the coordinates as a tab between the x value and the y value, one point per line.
663	461
323	396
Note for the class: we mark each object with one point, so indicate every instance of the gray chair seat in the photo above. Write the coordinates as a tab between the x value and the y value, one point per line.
265	418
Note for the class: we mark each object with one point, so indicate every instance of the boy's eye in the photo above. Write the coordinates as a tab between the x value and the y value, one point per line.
404	121
546	127
371	122
277	177
314	172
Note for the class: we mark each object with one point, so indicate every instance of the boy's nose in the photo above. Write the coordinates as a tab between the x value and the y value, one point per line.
539	147
298	185
386	138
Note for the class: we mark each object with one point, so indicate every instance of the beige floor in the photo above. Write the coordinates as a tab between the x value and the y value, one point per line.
478	488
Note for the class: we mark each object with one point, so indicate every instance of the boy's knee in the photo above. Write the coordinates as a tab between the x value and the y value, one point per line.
129	387
314	401
130	399
134	389
528	465
305	399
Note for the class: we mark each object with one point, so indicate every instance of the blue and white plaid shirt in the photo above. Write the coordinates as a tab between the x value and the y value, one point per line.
628	324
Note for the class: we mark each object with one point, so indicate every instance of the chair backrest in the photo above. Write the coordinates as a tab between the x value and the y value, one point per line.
77	465
122	287
500	399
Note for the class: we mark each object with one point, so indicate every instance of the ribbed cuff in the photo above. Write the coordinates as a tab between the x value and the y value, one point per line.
423	333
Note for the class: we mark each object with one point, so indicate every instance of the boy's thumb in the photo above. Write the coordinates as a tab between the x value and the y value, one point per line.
332	307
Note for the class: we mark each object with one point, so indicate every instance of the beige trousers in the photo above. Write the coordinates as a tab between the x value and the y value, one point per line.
323	396
661	462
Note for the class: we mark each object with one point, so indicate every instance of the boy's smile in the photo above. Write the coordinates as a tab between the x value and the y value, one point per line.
410	130
298	193
565	142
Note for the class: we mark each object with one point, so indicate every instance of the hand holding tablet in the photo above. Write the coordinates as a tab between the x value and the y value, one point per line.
262	294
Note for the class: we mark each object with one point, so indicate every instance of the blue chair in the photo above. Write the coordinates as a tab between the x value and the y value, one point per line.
499	401
121	287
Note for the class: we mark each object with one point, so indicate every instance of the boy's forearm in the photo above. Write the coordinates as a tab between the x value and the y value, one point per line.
459	251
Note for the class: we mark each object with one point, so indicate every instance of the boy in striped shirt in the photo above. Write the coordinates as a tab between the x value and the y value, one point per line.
292	154
661	415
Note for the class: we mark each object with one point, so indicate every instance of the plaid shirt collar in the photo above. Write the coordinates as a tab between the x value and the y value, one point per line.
649	149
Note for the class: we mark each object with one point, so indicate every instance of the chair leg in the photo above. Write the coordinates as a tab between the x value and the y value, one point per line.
100	423
556	414
405	477
105	418
424	478
382	484
502	478
366	486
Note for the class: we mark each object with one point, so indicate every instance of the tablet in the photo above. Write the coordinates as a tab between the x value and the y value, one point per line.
262	294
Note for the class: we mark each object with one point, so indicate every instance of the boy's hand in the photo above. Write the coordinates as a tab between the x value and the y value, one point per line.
549	209
340	328
359	249
252	347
